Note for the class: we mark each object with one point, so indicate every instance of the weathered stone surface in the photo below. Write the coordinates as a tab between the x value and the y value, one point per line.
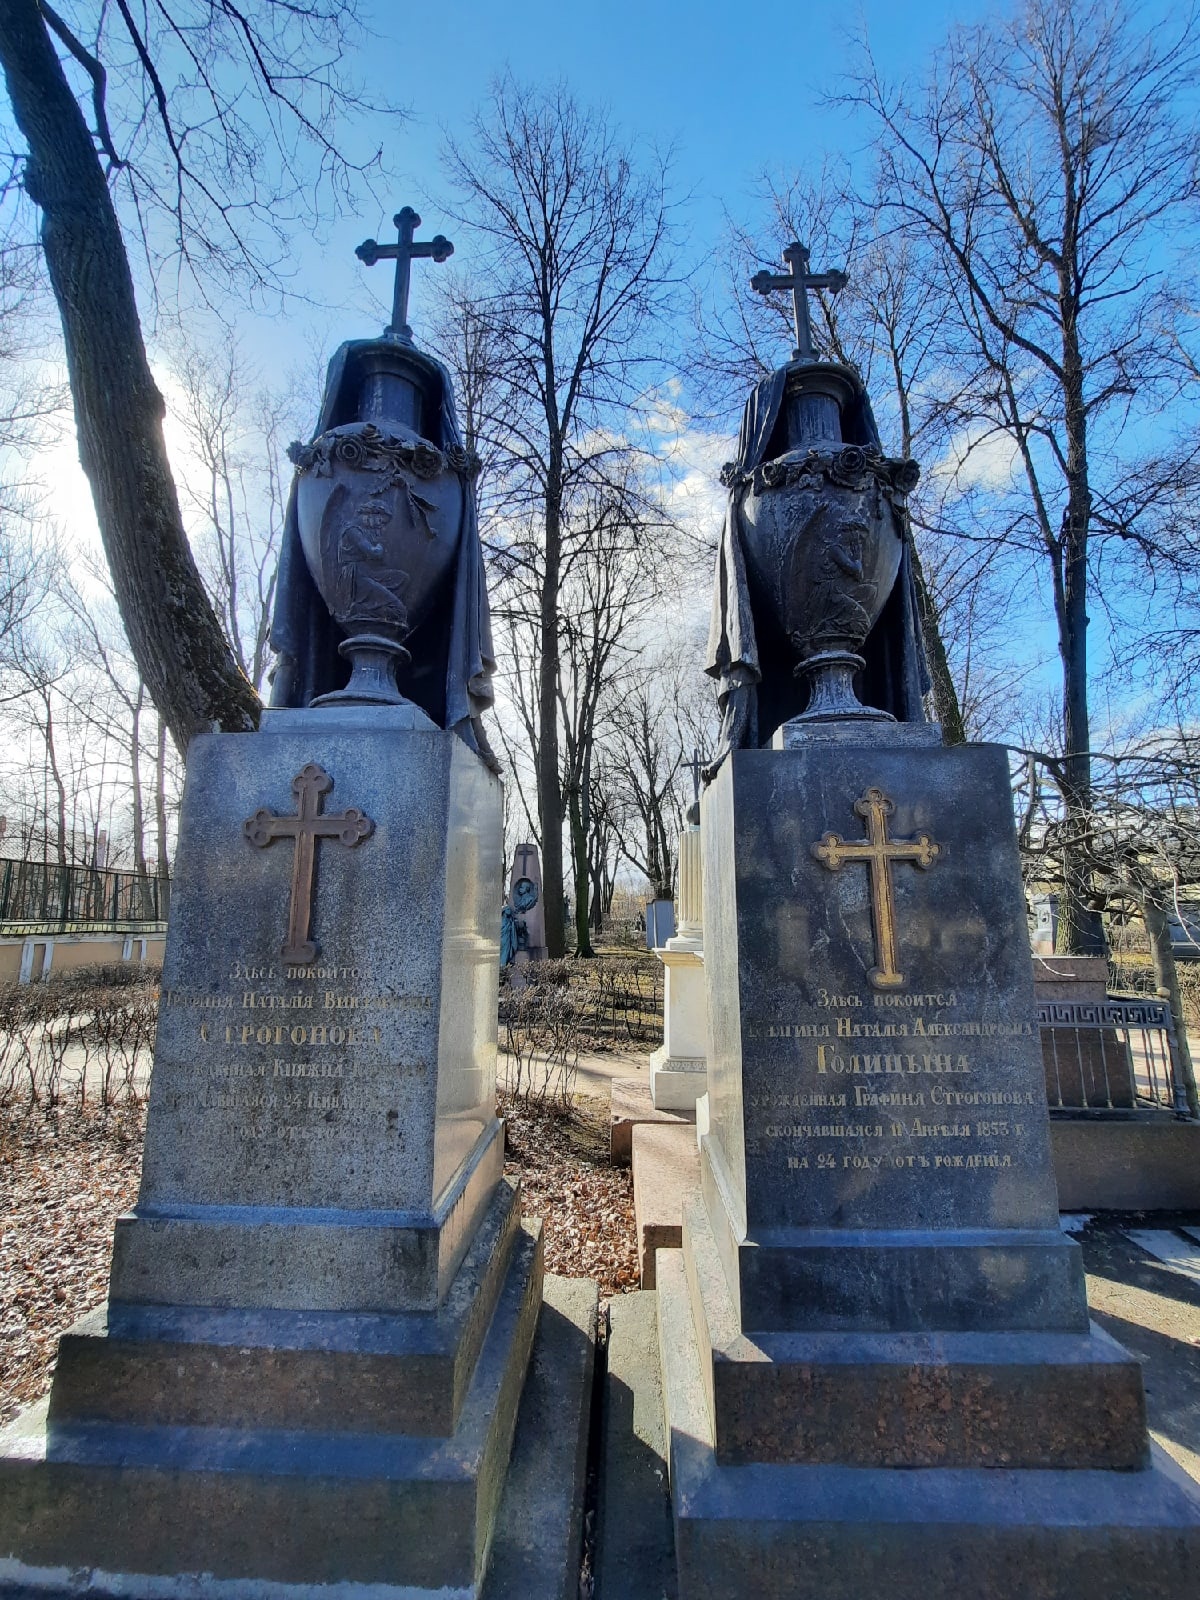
155	1512
352	1372
798	735
666	1171
538	1548
909	1400
635	1547
808	1532
903	1114
323	1136
1147	1162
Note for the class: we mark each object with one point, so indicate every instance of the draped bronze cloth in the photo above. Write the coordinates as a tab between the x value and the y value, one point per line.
748	653
452	664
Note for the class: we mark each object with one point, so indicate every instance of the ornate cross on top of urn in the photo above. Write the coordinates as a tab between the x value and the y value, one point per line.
876	853
309	786
799	280
403	253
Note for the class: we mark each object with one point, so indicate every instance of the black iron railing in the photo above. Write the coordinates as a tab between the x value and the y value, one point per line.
1111	1055
40	896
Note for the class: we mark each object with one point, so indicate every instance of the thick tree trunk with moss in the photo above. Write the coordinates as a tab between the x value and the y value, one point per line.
173	631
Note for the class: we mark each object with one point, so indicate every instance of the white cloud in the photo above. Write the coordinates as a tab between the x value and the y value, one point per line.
978	458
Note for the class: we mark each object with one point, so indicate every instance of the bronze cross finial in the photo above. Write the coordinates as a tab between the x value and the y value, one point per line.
799	280
877	854
309	785
402	253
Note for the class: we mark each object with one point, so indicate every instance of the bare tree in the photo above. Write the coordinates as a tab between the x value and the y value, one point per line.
213	126
612	581
573	242
1043	158
236	492
668	712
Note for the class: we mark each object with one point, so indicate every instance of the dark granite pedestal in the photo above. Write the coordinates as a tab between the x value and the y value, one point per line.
321	1308
879	1371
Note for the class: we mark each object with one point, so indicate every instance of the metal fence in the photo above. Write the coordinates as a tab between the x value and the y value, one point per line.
1111	1055
38	896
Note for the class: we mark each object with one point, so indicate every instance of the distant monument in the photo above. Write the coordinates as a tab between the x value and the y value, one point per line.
814	609
322	1306
679	1068
879	1372
525	914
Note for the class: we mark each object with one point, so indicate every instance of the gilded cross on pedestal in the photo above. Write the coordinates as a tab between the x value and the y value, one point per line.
876	853
403	253
309	786
799	280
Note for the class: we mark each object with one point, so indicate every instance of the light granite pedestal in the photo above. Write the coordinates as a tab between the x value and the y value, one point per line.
679	1070
322	1306
878	1368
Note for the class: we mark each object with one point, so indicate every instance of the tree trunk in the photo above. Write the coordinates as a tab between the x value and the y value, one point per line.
139	808
1166	977
549	790
946	707
160	801
579	864
178	644
1081	931
60	788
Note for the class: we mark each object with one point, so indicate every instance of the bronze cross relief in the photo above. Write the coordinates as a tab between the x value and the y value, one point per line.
799	281
876	853
310	785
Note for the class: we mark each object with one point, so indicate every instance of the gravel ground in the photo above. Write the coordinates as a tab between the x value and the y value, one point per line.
65	1179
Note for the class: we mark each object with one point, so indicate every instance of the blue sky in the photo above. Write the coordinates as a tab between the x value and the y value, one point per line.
735	90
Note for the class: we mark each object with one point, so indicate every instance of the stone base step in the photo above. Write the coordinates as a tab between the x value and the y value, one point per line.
635	1544
666	1170
538	1548
781	1531
163	1512
630	1105
971	1399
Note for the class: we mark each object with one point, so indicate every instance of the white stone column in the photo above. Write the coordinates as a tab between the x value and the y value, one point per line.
679	1070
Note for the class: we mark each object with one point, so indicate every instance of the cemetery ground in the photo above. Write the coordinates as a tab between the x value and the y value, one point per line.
73	1077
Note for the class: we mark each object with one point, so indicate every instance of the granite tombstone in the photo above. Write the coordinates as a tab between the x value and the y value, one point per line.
879	1370
322	1305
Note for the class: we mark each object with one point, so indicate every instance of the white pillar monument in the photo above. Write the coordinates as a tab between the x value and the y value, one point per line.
679	1070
